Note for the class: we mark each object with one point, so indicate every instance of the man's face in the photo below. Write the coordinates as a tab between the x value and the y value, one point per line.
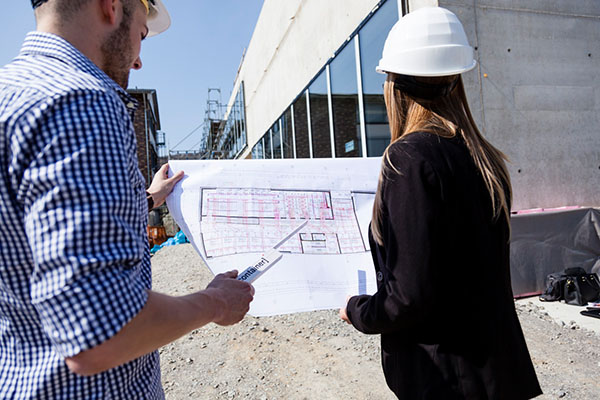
121	49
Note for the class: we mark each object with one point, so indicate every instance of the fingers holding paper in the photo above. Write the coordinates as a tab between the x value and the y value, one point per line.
162	185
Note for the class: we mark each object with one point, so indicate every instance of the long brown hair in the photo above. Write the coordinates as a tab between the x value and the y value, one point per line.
446	116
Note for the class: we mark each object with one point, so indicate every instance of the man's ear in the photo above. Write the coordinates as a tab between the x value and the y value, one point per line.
110	10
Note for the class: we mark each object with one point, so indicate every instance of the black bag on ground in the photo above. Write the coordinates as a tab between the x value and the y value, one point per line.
573	285
554	287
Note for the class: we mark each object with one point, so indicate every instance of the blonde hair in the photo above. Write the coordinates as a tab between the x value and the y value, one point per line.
446	116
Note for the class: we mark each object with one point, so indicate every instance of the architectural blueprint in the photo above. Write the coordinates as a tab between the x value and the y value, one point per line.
235	211
251	220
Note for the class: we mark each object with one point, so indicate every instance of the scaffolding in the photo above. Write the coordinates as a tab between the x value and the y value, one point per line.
206	148
213	122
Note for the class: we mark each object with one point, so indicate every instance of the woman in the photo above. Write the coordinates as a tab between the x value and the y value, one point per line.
440	231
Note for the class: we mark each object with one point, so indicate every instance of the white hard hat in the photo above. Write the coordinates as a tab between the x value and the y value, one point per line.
158	17
430	41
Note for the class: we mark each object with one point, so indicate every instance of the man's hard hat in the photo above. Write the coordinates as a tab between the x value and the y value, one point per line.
158	17
430	41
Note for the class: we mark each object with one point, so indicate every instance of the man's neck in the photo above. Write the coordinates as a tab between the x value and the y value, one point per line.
86	39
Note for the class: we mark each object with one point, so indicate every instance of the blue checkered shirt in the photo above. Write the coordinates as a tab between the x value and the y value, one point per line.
74	260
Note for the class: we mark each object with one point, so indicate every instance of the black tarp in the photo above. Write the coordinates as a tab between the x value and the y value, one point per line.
547	242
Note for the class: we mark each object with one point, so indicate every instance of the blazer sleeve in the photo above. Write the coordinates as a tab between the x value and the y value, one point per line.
412	205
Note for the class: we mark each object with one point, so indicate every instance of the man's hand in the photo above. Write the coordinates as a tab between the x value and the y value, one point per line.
233	298
165	318
162	185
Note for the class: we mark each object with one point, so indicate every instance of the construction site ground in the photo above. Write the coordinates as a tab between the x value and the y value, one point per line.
315	355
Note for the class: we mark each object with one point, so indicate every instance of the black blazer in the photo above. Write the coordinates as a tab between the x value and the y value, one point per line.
444	305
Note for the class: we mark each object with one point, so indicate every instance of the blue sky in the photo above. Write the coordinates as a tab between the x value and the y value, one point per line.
202	49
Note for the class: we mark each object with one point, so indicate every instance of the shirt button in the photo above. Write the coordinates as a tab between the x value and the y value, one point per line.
379	276
130	105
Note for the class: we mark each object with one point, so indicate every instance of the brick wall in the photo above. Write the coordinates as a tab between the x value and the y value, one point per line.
144	125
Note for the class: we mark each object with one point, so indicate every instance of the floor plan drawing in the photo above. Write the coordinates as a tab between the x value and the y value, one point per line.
313	213
251	220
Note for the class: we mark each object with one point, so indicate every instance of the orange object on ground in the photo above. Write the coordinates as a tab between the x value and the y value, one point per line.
156	235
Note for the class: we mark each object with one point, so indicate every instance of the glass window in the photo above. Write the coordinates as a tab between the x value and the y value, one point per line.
260	149
267	144
237	146
301	127
319	117
276	139
372	38
287	134
240	119
344	100
232	128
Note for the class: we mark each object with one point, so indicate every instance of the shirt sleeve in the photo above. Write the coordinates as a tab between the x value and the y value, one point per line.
411	209
83	201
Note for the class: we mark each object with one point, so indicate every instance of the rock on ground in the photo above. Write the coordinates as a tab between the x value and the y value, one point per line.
317	356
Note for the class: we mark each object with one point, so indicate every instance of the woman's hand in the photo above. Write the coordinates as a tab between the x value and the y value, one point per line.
343	314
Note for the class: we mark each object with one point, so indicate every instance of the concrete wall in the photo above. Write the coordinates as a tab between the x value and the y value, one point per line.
292	41
536	93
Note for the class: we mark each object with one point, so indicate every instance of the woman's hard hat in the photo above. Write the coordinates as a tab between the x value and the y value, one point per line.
158	17
430	41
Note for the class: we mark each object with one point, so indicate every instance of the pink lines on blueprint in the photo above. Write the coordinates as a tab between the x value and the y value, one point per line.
252	220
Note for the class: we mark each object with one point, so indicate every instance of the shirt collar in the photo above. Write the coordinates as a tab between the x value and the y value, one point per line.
51	45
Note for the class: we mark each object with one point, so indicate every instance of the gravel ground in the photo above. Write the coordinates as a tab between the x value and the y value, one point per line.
317	356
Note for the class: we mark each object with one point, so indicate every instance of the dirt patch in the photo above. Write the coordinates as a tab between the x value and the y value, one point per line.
317	356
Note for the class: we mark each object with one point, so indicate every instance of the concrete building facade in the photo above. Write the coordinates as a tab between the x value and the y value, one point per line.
307	87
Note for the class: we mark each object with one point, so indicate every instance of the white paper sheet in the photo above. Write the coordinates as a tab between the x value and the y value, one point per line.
235	210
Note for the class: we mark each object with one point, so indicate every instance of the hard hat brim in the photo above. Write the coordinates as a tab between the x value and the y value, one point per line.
159	19
439	60
383	69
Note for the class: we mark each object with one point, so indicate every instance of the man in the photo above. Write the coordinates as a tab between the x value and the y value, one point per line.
77	317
